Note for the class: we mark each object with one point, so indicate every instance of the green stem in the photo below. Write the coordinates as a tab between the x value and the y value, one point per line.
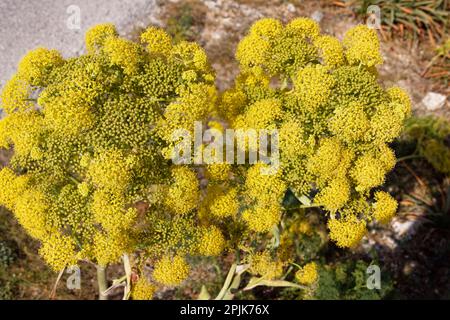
294	264
102	283
306	206
227	283
127	267
74	180
287	273
218	271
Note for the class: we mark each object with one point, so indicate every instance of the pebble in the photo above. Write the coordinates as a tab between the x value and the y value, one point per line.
317	16
434	101
291	7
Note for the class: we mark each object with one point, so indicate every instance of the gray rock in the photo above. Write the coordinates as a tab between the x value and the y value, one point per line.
291	7
434	101
317	16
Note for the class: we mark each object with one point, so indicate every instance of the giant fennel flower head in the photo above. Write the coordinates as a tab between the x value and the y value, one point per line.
88	177
91	176
335	122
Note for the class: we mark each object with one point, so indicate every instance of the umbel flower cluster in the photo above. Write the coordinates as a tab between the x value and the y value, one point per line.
88	177
334	121
91	176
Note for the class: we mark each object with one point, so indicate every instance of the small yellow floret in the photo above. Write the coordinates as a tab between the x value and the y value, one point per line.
308	274
96	36
142	290
157	40
183	194
263	265
36	65
171	271
362	46
385	207
368	173
123	53
212	242
347	232
58	251
304	27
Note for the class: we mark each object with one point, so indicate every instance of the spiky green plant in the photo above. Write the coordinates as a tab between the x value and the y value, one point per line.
428	17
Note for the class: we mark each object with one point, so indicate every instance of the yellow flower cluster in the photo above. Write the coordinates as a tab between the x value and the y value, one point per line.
220	202
92	136
368	172
218	171
171	271
14	96
30	209
335	195
362	46
308	274
58	251
12	132
88	177
385	207
262	218
212	242
262	264
142	289
331	161
108	247
277	49
347	232
11	187
264	194
110	171
157	40
304	27
313	87
260	115
36	65
335	122
96	36
123	53
350	123
108	209
183	192
330	51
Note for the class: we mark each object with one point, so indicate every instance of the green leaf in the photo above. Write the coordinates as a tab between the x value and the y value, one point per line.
256	282
227	282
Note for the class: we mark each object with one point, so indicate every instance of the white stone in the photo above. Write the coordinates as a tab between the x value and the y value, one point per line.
291	7
404	228
434	101
317	16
